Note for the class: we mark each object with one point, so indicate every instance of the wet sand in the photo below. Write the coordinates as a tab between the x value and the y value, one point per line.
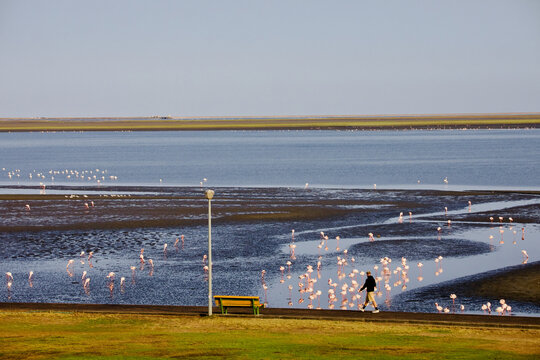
520	283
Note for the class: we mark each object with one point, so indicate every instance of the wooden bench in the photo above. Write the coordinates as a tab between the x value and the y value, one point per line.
226	301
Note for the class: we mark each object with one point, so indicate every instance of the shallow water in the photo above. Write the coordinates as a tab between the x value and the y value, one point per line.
242	249
416	159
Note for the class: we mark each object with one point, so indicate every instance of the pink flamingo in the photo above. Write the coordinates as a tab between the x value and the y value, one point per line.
288	269
27	207
453	297
31	278
265	293
371	238
337	242
470	206
182	238
86	283
292	235
410	216
282	269
292	246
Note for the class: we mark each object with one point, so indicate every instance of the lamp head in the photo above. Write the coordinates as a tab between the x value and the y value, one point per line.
209	194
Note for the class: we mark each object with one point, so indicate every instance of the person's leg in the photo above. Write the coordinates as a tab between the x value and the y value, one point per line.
373	302
365	302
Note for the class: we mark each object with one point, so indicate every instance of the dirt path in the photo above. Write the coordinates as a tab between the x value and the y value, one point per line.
339	315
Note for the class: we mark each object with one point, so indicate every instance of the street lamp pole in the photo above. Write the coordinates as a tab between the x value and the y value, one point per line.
209	195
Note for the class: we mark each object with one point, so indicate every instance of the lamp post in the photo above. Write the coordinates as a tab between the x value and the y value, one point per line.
209	195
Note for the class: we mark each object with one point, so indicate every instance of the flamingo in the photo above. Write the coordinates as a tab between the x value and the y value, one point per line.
453	297
86	283
27	207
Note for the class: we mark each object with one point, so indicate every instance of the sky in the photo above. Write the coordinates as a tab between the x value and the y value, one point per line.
268	58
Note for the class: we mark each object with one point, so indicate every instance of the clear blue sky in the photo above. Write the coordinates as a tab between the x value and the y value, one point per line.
242	58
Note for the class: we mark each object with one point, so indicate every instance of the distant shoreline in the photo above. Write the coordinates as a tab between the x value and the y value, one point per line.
168	123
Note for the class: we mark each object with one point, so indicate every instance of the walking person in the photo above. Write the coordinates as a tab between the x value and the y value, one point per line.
370	285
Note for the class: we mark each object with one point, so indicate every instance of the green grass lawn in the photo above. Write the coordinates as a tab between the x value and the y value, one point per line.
64	335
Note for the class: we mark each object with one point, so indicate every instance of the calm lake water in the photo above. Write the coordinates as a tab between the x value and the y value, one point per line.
501	159
330	161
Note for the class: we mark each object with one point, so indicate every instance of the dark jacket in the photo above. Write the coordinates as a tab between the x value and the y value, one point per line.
370	284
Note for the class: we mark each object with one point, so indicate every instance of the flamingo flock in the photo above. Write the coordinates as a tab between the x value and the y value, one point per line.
344	292
96	176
